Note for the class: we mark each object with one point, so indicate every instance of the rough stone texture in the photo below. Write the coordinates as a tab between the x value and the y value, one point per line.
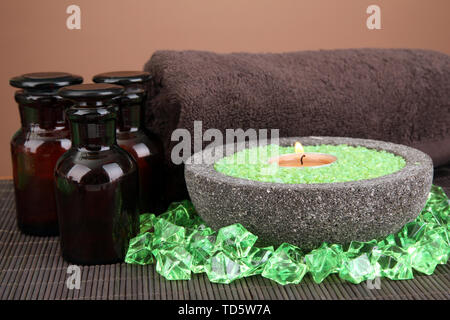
309	214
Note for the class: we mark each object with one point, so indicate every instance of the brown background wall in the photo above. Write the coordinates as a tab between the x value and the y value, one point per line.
119	34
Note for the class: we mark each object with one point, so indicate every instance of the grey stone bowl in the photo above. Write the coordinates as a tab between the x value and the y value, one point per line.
308	214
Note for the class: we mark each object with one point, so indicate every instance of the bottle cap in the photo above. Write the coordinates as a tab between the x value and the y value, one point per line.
91	91
45	80
123	78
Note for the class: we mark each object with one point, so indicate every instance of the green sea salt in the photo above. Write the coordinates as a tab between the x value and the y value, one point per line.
352	164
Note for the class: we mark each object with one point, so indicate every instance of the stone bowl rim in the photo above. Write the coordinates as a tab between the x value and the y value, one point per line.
409	154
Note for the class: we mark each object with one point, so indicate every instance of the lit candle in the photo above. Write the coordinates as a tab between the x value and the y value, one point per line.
303	159
298	148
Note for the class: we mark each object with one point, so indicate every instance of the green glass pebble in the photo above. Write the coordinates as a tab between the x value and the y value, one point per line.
393	251
437	208
413	232
201	246
140	250
286	265
337	248
178	215
323	261
186	204
357	269
356	248
174	263
257	259
394	268
437	198
198	231
392	262
392	239
225	269
437	241
235	240
441	232
430	251
146	222
422	258
167	235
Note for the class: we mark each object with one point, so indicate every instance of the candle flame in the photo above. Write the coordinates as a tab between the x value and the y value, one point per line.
298	148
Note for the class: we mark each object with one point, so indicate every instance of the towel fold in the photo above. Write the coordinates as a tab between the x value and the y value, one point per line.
396	95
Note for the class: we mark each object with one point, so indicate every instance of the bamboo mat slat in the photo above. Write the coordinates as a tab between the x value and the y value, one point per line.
32	268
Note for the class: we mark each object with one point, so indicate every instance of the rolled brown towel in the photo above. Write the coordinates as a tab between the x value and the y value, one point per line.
442	178
397	95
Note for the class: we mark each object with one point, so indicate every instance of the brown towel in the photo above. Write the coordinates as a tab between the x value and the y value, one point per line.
396	95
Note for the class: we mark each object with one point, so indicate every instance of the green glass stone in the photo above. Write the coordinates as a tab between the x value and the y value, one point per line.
183	214
186	204
393	251
337	248
323	261
146	222
286	265
412	232
198	231
422	258
224	269
257	259
178	215
174	264
356	248
439	232
167	235
235	240
392	239
436	198
196	222
433	217
357	269
437	207
394	269
201	246
139	250
430	251
205	230
392	262
437	242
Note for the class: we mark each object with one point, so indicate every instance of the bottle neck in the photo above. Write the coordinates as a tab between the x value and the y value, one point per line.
131	109
41	113
93	129
130	118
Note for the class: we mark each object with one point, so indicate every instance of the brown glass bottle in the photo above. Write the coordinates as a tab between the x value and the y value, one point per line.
96	181
36	146
132	136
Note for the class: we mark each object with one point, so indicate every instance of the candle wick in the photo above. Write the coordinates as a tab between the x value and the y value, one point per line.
301	159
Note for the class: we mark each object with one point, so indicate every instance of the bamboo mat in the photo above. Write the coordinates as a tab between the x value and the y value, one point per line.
31	268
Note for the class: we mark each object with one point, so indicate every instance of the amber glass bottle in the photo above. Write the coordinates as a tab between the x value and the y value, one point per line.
132	136
36	146
96	181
